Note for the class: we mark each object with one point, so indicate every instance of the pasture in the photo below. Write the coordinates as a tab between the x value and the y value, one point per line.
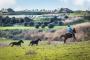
44	51
30	28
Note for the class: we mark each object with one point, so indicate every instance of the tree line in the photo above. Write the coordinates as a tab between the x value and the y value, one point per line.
26	21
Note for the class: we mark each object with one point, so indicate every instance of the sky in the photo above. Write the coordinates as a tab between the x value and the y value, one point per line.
45	4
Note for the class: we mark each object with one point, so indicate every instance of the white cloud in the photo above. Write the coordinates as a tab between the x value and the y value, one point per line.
7	3
82	4
77	4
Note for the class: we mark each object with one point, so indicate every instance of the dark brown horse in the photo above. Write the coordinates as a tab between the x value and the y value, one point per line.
69	35
34	42
16	43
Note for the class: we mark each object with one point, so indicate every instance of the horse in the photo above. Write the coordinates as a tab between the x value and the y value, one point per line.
34	42
69	35
16	43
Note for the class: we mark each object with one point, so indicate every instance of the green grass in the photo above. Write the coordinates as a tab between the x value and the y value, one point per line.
70	51
30	28
79	14
18	27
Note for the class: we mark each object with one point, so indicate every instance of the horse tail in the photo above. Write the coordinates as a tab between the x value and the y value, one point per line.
10	43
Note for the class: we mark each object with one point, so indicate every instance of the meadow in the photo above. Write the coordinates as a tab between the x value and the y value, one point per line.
29	27
44	51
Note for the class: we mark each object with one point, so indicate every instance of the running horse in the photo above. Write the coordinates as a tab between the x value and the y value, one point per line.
33	42
16	43
69	35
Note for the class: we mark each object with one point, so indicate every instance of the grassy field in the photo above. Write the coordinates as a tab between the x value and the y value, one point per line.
69	51
18	27
30	28
78	14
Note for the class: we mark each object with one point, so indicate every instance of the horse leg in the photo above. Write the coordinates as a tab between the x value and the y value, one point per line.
31	44
74	37
36	44
20	45
65	40
12	45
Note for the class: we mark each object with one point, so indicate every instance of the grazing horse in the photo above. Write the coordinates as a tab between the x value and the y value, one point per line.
69	35
34	42
16	43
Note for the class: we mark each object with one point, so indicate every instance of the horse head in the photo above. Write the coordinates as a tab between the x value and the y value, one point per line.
21	41
39	39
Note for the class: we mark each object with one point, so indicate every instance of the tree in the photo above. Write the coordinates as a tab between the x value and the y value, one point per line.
10	10
0	20
13	20
27	19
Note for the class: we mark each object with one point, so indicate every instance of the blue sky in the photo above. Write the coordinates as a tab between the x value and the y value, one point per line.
45	4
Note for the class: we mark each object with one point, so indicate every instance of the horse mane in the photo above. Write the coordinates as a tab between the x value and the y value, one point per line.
20	41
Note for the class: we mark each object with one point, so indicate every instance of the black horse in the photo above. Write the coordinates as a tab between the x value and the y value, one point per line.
16	43
34	42
69	35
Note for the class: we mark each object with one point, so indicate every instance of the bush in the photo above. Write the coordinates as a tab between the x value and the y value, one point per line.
66	17
46	23
25	24
39	23
31	24
43	26
60	23
87	17
51	25
37	26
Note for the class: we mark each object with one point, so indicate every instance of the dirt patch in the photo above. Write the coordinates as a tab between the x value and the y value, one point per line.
3	45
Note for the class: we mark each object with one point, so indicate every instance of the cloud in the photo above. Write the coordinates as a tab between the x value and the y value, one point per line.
7	3
79	2
76	4
83	4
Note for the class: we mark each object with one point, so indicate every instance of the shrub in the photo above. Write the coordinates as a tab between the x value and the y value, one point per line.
43	26
60	23
31	24
37	26
25	24
46	23
66	17
51	25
